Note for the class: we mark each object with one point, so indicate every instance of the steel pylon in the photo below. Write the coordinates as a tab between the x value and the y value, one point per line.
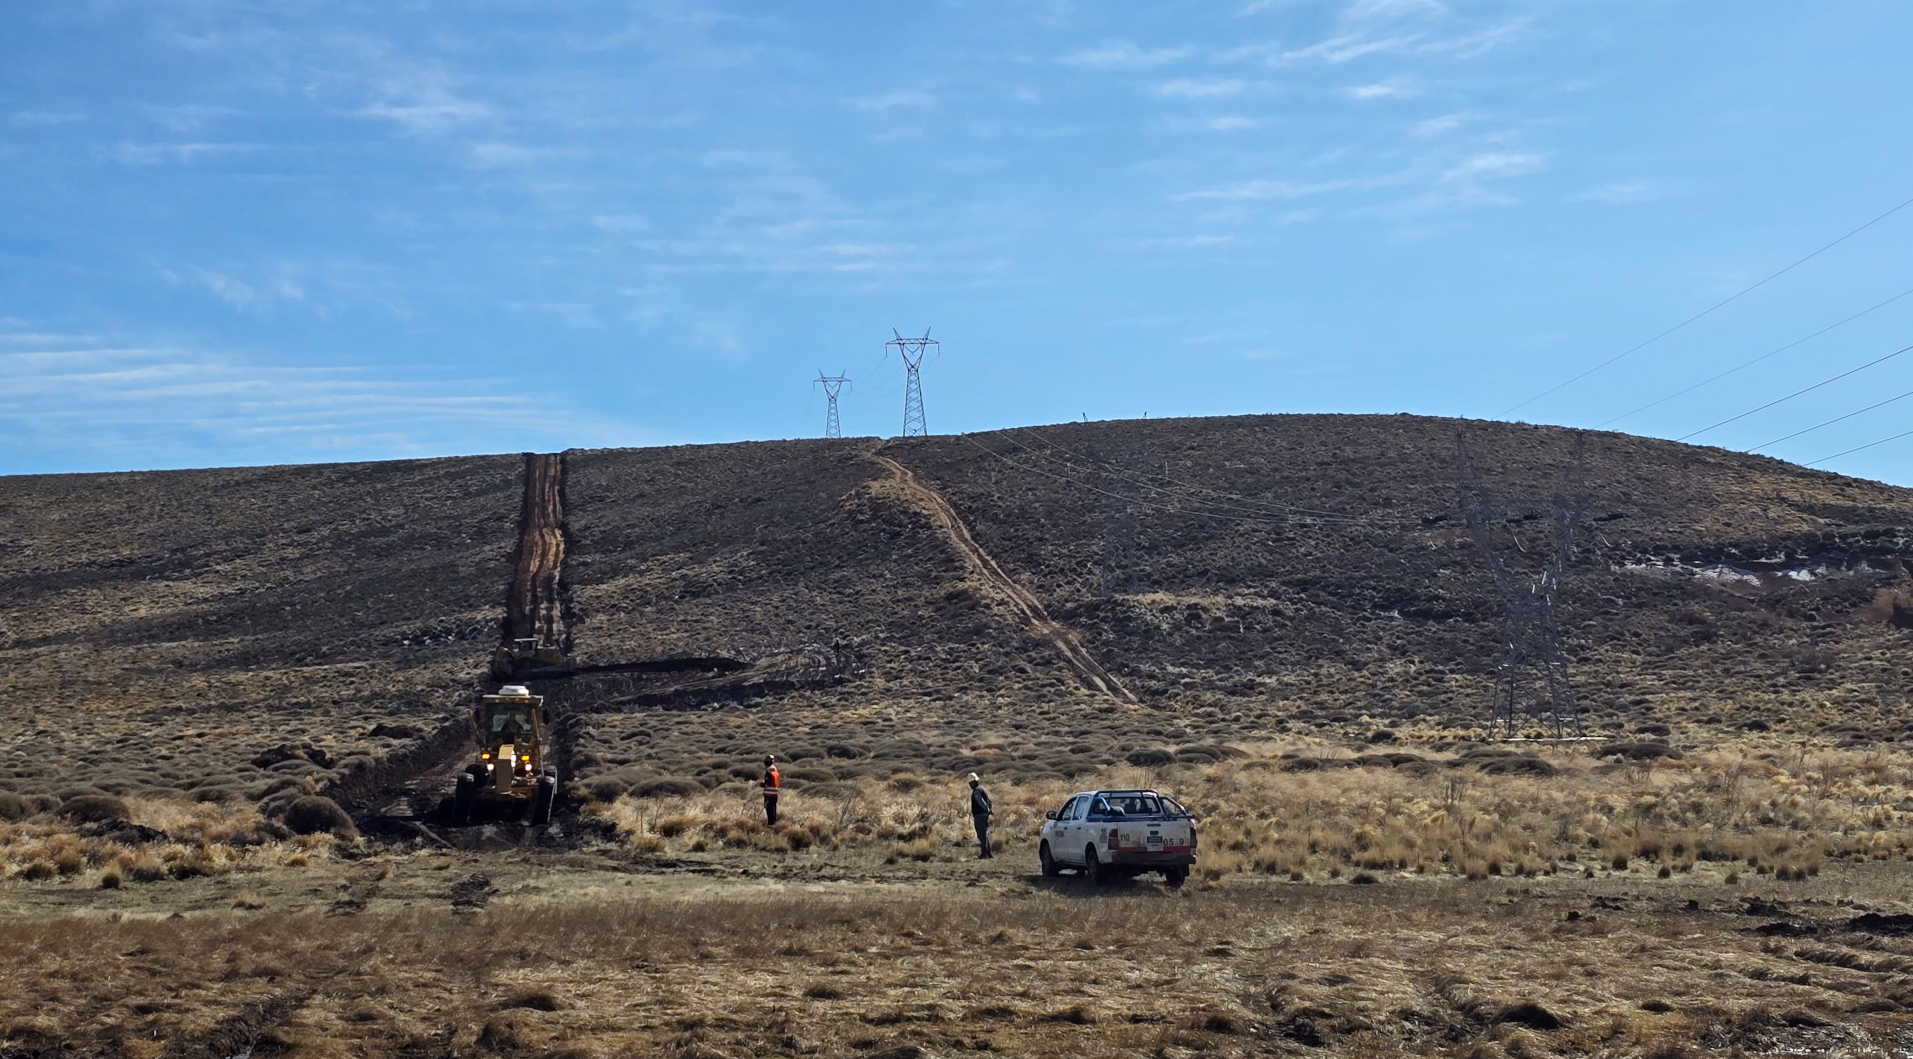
912	350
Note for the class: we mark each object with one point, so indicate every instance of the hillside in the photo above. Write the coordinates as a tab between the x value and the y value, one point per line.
239	629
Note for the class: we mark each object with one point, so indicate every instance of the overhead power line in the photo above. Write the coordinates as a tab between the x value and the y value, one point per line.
1857	448
1830	422
1796	393
1756	360
1737	295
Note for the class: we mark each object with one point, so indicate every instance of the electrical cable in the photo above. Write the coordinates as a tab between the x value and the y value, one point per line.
1751	363
1857	448
1704	312
1830	422
1796	393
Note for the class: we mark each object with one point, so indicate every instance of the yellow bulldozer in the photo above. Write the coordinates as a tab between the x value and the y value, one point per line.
525	656
513	776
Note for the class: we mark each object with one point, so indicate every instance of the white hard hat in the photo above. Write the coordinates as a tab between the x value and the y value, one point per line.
973	778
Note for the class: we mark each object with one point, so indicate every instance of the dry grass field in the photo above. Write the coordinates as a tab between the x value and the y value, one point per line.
817	954
192	663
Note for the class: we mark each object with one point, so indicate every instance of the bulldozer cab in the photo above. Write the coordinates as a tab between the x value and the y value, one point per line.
512	768
514	715
509	722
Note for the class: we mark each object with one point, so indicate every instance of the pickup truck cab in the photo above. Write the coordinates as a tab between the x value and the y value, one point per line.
1119	832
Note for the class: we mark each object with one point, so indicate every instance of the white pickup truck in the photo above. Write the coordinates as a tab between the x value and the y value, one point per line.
1120	832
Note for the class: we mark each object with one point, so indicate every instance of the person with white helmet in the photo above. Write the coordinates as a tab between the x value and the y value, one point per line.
773	785
980	812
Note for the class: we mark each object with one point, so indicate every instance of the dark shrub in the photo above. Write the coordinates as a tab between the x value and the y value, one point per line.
315	813
1149	757
606	788
14	807
669	787
1516	765
1640	750
93	809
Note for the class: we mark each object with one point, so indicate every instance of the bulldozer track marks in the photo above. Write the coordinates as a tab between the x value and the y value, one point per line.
536	607
240	1033
1028	609
396	797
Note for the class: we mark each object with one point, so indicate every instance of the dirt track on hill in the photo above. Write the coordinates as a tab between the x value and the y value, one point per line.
536	607
1027	606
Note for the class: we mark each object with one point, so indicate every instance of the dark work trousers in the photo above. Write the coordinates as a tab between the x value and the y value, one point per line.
770	810
982	822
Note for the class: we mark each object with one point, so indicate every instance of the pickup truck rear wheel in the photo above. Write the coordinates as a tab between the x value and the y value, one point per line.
1093	867
1050	867
1174	877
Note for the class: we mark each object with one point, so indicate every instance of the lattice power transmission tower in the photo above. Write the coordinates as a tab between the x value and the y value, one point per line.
912	350
833	385
1531	672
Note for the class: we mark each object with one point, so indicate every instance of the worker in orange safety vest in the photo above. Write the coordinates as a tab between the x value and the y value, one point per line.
773	783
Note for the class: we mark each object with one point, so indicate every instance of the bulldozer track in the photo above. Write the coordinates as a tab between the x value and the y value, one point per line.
1028	609
536	607
397	796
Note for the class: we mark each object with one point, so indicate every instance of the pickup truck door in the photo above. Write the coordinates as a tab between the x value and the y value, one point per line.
1069	826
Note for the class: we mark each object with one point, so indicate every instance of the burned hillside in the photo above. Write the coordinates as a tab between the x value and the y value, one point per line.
250	630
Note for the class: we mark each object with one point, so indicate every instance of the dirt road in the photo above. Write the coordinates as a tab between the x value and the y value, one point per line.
1028	609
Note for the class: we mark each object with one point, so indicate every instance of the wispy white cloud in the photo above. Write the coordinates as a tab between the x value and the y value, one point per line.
151	154
423	101
492	154
1255	190
1347	48
236	293
1183	242
188	117
1125	55
1441	125
1389	10
1215	123
159	406
620	222
1480	42
44	117
1197	89
1622	192
1474	180
900	100
1398	87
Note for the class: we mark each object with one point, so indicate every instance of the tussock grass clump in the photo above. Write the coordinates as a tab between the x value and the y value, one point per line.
1460	812
316	814
94	809
14	807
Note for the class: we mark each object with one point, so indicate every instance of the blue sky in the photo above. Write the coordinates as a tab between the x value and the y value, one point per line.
251	232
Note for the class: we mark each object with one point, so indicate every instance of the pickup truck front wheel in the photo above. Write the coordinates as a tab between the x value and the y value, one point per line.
1050	867
1093	867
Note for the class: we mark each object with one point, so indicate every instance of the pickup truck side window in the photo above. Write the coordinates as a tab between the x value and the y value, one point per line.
1076	807
1173	807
